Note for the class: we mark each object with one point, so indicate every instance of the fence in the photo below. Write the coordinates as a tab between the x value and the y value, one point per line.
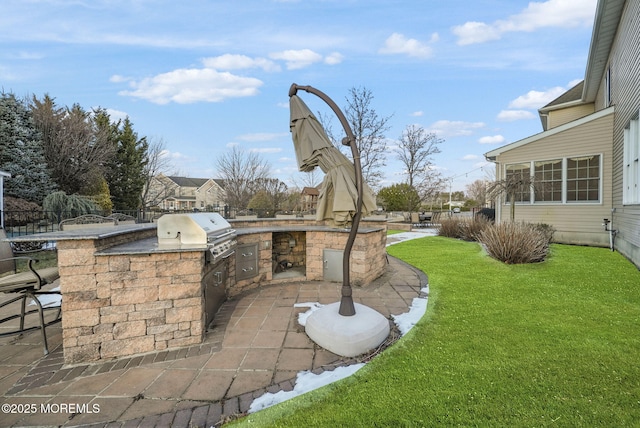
20	223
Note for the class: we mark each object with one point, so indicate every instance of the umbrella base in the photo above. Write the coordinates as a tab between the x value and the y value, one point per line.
347	336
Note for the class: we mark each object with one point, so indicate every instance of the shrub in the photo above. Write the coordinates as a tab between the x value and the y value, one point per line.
546	229
471	228
467	229
515	243
449	227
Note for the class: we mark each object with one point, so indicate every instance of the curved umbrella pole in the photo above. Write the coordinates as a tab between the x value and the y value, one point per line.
346	302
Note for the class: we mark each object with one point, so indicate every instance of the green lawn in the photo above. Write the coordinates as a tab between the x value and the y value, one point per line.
549	344
394	231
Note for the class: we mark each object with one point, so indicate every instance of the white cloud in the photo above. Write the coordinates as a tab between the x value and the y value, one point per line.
551	13
266	150
417	113
399	44
475	32
237	62
116	114
492	139
296	59
333	58
449	128
536	99
185	86
263	136
116	78
513	115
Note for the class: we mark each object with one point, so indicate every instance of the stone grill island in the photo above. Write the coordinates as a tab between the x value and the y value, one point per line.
124	294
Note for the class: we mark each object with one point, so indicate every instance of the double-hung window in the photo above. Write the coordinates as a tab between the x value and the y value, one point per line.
583	179
548	180
518	178
630	167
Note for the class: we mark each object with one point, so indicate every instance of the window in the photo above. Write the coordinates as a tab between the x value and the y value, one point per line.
631	169
518	176
583	179
607	88
548	180
566	180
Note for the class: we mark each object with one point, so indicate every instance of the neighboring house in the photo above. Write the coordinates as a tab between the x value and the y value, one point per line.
585	162
309	198
170	193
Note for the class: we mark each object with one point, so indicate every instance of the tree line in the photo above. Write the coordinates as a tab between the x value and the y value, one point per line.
51	149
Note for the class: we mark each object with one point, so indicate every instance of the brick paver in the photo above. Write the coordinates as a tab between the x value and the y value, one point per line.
256	345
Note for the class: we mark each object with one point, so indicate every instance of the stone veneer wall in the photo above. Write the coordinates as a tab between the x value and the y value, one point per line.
368	255
120	305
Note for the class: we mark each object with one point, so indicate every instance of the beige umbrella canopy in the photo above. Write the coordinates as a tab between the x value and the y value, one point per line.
338	192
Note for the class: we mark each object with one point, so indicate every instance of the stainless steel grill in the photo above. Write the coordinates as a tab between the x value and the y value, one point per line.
214	235
198	229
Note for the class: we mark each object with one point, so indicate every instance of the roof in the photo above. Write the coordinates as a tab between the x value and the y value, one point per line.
312	191
572	95
491	156
605	26
188	181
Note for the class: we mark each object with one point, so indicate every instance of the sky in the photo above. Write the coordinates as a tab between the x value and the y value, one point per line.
202	76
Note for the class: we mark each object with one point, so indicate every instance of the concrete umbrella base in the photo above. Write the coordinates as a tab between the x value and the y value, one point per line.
347	336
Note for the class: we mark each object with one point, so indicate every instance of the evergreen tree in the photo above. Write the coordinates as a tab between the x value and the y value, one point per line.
125	173
21	152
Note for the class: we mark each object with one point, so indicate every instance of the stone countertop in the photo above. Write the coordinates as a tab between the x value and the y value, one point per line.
301	228
90	232
150	245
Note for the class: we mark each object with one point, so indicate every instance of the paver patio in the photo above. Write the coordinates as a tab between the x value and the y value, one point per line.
256	345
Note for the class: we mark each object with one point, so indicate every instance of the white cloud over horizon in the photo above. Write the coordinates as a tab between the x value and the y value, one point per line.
492	139
537	15
399	44
454	128
186	86
513	115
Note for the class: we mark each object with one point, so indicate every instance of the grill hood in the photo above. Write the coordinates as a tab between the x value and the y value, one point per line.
193	229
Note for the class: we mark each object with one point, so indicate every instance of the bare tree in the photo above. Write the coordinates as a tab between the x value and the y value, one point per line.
77	144
416	148
241	171
368	128
270	195
307	179
157	163
511	187
478	191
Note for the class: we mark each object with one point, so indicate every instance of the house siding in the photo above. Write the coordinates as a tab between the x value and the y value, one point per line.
624	61
575	223
566	115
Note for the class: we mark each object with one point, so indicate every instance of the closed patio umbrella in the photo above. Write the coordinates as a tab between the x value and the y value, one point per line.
338	196
344	198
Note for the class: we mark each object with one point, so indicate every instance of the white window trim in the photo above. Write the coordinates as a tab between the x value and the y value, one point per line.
564	200
630	166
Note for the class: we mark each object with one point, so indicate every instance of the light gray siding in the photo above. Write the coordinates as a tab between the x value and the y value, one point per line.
624	62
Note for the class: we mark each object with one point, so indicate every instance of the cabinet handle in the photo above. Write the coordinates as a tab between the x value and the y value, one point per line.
247	254
249	269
